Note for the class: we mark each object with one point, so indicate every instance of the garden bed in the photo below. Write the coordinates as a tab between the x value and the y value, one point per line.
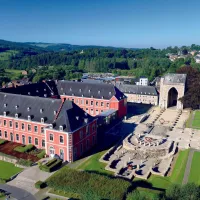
88	185
8	148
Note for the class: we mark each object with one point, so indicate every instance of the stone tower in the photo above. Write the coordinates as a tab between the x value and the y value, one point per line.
172	88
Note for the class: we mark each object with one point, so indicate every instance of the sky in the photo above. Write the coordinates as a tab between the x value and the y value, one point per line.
120	23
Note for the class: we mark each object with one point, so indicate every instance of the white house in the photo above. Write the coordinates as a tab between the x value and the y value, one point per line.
143	81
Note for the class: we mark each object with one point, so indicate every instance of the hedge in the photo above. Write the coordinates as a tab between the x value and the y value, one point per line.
23	149
2	141
40	184
51	165
41	154
23	162
89	185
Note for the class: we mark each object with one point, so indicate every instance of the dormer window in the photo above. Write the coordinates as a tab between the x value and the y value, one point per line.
82	95
61	88
41	110
29	117
63	93
70	89
102	97
37	91
61	128
51	126
72	94
45	89
5	105
109	93
77	117
45	95
92	96
29	93
79	90
99	92
89	91
42	120
28	109
4	113
16	107
54	112
16	115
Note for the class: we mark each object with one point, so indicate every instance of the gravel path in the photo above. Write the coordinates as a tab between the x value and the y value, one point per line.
188	166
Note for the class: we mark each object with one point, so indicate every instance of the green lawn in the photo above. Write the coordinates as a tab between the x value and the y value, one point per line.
8	169
196	121
13	73
195	170
93	164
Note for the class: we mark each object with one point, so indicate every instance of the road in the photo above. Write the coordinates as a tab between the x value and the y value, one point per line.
17	193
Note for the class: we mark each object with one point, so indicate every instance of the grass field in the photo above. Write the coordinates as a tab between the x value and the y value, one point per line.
13	73
93	164
195	170
196	120
7	54
8	169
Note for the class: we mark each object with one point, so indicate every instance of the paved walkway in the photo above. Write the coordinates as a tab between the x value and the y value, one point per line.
188	166
26	179
191	119
17	193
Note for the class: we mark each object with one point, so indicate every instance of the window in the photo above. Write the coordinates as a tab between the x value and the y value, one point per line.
73	100
42	120
87	130
101	103
81	134
91	111
16	125
107	105
29	140
91	103
4	122
23	126
10	123
97	103
93	127
97	112
17	137
42	129
35	129
81	101
93	140
81	148
101	110
86	102
77	101
51	137
36	141
61	139
0	134
43	143
5	134
29	127
87	144
23	139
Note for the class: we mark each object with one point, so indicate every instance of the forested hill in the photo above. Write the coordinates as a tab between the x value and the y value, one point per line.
71	64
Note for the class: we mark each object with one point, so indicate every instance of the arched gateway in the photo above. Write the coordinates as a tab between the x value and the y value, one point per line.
172	88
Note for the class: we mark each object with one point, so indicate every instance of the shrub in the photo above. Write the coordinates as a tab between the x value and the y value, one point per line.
2	141
23	162
40	185
51	165
89	185
24	149
3	181
41	154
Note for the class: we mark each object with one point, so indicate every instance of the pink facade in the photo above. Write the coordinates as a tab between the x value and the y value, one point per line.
66	145
96	106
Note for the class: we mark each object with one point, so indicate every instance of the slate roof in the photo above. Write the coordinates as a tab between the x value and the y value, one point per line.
175	78
90	90
71	117
138	89
42	89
